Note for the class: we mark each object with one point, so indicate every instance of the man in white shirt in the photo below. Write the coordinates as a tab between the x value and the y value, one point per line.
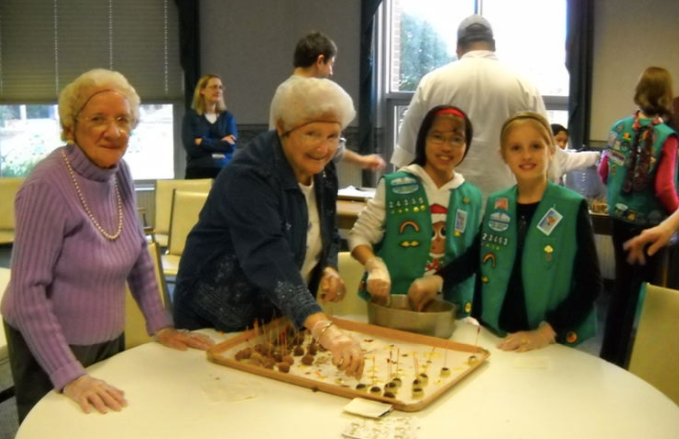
489	91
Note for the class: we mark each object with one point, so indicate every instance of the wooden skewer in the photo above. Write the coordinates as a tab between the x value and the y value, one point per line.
431	356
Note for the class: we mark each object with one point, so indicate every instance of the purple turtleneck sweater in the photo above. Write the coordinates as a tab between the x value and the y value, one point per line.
68	280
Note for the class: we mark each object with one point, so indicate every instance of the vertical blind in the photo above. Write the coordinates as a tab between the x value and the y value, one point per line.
45	44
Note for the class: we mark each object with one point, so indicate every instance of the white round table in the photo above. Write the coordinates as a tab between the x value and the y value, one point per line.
557	392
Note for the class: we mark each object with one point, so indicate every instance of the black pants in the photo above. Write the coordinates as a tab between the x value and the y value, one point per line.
193	173
31	382
617	341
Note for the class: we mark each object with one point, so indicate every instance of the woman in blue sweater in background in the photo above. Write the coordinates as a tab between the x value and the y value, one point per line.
209	131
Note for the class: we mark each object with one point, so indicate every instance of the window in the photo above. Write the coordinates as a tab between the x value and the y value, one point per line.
418	36
69	37
28	133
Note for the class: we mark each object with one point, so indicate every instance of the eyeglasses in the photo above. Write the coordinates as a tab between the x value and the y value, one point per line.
101	122
215	87
440	139
314	140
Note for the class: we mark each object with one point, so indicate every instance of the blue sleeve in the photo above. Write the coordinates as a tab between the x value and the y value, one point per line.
195	127
253	205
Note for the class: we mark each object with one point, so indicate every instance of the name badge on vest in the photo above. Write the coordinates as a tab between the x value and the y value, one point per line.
460	222
549	222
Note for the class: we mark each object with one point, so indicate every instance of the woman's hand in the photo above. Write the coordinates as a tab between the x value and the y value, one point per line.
423	290
182	339
88	392
657	236
378	281
373	162
230	139
523	341
332	286
346	352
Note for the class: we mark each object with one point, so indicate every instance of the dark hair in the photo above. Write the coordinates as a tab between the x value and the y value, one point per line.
558	128
311	46
653	93
428	121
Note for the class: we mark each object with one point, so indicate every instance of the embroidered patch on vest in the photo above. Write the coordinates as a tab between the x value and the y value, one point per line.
502	203
499	221
460	222
549	222
616	157
404	185
489	257
571	337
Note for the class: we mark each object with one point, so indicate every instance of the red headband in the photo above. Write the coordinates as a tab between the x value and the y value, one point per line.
452	111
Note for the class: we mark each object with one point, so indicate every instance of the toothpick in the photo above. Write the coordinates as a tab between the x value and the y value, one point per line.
389	361
431	356
374	370
398	360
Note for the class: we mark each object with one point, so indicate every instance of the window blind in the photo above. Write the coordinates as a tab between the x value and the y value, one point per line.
46	44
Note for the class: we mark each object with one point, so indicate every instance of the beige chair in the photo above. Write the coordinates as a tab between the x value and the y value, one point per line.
186	206
655	355
351	272
163	205
135	323
8	190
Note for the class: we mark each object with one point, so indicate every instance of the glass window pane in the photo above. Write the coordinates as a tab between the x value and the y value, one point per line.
531	35
28	133
423	37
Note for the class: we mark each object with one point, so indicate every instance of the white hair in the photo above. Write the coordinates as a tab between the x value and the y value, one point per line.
304	100
75	96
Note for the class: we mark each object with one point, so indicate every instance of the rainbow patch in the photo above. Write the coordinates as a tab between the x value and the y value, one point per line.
405	224
489	257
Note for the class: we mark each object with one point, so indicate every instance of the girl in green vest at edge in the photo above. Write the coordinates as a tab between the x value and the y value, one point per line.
538	272
639	169
422	216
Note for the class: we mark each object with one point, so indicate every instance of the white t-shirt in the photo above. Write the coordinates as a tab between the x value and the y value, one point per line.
313	234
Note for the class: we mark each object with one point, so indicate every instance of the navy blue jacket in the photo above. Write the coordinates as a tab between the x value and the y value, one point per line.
242	260
196	126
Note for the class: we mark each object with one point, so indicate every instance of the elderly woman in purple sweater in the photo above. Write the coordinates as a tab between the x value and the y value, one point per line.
78	241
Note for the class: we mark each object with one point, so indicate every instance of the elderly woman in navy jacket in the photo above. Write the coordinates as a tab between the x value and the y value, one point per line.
266	238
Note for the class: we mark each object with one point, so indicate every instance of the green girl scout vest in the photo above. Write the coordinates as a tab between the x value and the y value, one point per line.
408	234
548	256
640	207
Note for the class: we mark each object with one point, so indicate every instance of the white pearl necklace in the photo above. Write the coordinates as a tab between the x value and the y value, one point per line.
107	235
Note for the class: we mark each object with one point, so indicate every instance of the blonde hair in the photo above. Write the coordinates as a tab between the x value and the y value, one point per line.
538	121
199	100
304	100
78	93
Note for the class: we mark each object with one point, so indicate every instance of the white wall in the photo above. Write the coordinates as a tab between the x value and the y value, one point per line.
250	44
629	35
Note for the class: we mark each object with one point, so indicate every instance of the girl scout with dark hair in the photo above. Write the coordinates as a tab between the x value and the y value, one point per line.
422	216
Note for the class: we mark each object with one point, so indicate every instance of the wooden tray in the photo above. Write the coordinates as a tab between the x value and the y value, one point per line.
379	344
